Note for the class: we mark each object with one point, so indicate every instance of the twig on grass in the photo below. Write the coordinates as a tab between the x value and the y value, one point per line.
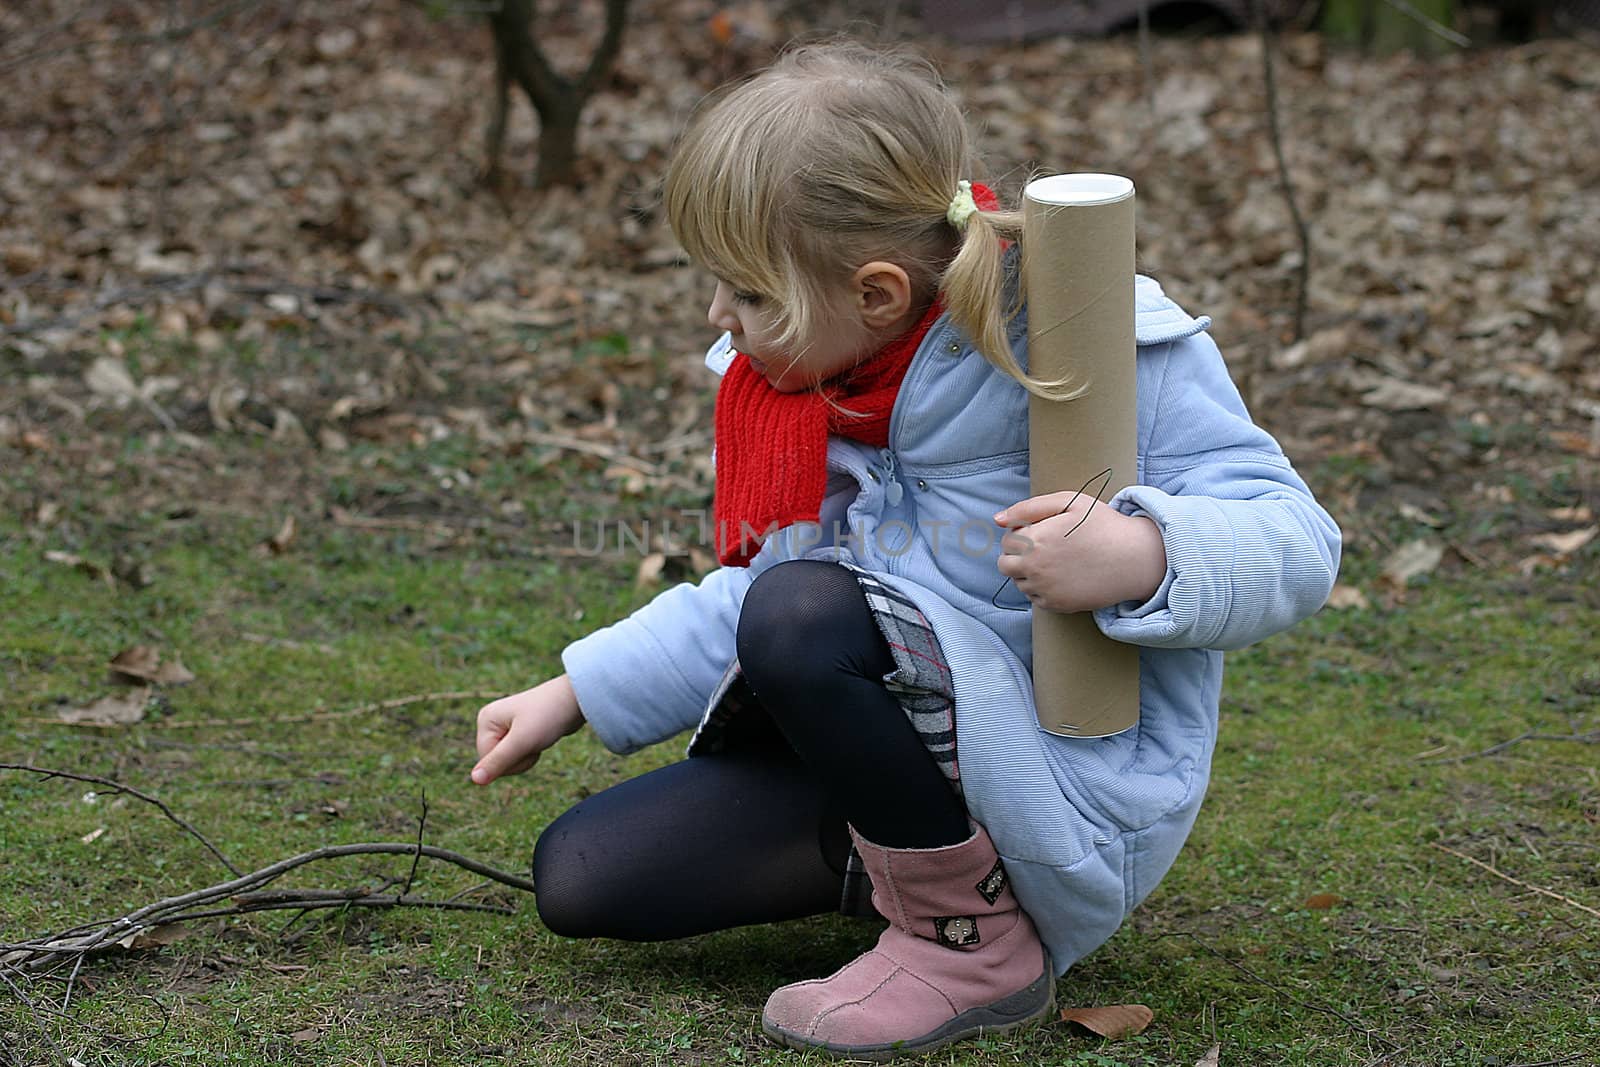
43	956
1590	738
66	997
422	822
53	951
33	1009
118	787
391	704
1552	894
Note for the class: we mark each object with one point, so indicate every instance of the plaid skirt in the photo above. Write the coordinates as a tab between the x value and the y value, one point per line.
920	682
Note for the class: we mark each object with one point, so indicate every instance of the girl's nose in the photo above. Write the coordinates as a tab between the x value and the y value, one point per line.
720	314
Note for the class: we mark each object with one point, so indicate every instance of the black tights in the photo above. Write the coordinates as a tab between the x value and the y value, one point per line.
756	833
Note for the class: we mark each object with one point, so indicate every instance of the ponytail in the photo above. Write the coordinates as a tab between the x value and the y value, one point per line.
974	291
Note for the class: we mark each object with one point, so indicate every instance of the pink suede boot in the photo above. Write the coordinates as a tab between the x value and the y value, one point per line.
960	957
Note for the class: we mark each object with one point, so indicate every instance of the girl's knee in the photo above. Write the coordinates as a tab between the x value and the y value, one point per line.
568	901
794	609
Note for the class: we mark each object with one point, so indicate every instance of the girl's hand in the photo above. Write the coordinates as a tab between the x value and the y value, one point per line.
514	731
1087	557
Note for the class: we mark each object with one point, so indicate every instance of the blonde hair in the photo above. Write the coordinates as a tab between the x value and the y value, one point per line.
836	155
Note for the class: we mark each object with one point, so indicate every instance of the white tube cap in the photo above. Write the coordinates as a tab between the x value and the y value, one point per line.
1079	190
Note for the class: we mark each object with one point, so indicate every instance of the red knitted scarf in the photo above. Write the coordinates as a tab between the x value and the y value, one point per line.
772	447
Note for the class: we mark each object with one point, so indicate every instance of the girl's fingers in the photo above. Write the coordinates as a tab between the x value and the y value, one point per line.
492	726
1035	508
1015	544
500	762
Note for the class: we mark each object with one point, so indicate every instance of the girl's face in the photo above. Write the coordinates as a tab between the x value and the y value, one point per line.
835	348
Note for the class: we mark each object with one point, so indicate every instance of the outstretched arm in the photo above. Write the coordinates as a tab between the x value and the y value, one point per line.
514	731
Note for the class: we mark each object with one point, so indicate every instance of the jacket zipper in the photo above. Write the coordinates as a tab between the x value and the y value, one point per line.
893	491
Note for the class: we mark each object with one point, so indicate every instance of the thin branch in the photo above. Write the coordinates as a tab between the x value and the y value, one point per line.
120	788
319	899
467	892
317	716
48	950
606	51
66	997
1432	25
33	1009
422	822
1284	180
1517	881
1590	738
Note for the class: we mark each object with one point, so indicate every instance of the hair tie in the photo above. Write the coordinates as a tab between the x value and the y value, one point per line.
962	206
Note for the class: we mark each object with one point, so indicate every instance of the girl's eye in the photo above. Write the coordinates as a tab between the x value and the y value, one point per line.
749	299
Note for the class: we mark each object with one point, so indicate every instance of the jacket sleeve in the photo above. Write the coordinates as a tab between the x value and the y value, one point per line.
649	676
1249	550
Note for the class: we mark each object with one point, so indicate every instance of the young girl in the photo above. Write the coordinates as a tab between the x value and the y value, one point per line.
858	667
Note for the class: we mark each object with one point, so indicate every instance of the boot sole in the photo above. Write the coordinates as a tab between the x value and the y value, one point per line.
1023	1008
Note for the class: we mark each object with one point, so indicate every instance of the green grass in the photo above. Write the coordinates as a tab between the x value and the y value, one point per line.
1330	779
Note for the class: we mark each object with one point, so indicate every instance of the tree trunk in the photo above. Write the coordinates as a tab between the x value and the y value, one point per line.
557	100
558	143
1385	26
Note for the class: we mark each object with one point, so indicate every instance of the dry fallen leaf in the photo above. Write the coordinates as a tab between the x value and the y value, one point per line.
119	709
634	481
279	542
1583	444
155	936
1212	1057
650	569
137	661
1392	394
173	672
1411	560
1537	562
109	377
1565	544
1322	901
92	569
1110	1020
1415	514
92	836
144	663
1346	596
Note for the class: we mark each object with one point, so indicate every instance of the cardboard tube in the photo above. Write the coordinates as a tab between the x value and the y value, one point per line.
1078	276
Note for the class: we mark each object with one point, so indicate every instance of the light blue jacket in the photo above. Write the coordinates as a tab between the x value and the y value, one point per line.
1087	827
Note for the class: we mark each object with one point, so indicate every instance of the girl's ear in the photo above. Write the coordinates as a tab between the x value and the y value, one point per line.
882	294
